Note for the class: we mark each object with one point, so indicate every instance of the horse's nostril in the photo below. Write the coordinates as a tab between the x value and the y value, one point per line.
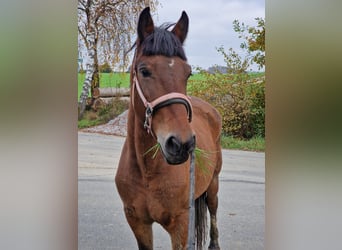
173	145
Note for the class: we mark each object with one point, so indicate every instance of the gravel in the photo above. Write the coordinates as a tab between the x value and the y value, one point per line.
117	126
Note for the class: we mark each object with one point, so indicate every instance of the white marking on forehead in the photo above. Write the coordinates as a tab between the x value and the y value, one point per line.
172	63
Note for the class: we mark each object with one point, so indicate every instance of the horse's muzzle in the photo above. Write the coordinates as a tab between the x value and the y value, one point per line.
177	152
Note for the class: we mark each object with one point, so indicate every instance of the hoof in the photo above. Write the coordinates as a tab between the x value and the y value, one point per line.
214	247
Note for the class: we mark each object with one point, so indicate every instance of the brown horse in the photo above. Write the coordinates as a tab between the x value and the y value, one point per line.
154	185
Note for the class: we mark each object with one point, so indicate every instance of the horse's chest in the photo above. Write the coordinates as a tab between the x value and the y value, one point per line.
166	192
166	199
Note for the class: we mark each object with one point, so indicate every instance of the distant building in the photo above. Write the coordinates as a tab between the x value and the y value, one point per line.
217	69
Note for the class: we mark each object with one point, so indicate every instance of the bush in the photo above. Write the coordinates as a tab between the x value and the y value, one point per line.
240	99
113	109
103	114
105	68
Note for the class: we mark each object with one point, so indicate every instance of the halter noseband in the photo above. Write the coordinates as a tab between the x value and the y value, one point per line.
160	102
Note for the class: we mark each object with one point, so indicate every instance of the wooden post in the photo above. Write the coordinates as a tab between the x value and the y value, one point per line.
191	226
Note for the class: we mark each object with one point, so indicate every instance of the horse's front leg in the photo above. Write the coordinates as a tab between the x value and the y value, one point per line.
141	228
177	227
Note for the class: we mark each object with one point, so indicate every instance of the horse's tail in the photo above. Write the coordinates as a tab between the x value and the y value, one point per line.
201	220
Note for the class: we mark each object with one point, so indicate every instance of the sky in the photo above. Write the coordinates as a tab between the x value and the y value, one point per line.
210	26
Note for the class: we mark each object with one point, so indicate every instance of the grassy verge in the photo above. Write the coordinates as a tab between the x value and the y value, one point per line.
84	123
253	144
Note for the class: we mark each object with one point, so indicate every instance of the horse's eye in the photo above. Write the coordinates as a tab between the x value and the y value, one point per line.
145	72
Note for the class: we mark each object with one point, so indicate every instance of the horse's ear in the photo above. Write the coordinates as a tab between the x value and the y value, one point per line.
145	24
181	28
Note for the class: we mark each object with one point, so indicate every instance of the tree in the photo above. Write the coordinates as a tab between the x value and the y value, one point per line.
106	27
238	96
254	40
254	45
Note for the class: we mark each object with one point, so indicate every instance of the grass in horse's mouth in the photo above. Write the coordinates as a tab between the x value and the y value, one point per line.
154	148
202	157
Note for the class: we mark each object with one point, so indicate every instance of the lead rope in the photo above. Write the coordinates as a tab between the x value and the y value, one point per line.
191	227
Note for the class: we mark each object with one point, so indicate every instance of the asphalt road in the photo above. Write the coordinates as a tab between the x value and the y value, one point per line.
101	221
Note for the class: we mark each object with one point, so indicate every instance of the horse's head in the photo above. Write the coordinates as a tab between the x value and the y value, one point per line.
159	78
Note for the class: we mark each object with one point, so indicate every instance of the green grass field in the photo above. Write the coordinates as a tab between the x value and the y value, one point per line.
122	79
117	80
107	80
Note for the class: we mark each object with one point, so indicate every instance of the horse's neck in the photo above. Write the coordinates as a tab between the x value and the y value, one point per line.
140	143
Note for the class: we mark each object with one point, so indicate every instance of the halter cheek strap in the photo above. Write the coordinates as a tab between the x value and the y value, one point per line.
160	102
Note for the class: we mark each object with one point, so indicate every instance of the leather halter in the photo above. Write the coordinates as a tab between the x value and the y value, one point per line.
160	102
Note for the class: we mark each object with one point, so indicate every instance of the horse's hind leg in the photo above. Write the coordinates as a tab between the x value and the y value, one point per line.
212	202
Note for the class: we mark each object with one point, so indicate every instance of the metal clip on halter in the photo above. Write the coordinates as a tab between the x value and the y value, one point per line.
148	118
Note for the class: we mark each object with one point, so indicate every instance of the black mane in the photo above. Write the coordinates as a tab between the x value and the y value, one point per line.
163	42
